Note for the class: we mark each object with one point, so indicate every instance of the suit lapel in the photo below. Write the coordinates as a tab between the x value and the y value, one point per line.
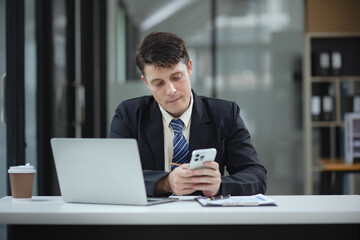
153	128
199	125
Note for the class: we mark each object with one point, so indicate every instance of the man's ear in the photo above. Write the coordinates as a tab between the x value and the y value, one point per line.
145	81
190	67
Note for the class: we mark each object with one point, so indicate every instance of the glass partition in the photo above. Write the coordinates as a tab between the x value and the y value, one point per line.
188	19
3	160
30	86
260	44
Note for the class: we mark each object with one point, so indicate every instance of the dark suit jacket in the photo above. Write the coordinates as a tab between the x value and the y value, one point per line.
214	123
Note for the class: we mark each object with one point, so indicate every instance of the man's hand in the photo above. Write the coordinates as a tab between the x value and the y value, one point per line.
182	180
207	180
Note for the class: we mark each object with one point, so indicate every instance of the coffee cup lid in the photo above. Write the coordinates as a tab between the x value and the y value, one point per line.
22	169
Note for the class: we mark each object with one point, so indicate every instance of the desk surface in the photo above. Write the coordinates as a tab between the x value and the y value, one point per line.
290	210
338	164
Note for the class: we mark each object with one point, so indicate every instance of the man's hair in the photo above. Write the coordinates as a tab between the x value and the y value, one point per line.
161	49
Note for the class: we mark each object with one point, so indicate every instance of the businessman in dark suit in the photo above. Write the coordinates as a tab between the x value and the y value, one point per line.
166	68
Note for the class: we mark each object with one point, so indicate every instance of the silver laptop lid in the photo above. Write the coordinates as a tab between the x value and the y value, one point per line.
99	170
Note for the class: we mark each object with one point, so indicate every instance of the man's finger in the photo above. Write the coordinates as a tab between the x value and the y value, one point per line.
211	165
205	180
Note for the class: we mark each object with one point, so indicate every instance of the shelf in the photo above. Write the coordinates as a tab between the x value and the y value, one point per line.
326	138
333	34
327	124
338	164
334	78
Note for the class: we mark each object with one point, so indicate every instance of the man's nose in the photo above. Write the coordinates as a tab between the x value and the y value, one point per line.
171	89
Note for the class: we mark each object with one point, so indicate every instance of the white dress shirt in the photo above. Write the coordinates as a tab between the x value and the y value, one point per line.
169	132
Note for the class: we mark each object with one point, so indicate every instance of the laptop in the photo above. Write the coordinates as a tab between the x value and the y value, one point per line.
104	171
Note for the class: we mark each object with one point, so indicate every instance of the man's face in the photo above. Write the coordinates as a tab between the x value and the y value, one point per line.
170	87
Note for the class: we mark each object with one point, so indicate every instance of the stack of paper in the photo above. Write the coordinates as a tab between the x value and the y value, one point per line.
237	201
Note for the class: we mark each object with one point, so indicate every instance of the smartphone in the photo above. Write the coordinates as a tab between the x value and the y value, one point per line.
199	156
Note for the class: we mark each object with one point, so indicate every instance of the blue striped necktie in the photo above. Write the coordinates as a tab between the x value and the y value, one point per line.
181	148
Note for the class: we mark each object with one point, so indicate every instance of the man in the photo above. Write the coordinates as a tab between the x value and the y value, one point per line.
166	68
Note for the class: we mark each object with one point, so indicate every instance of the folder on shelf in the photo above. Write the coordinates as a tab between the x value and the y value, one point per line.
236	201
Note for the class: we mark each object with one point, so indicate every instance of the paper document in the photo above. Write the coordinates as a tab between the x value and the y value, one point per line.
237	201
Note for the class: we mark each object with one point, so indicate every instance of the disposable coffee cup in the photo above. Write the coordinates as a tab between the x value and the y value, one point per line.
22	181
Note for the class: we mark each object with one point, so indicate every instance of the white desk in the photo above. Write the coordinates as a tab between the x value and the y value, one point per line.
329	214
290	210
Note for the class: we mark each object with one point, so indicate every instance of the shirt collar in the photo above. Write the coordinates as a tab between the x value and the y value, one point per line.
185	117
